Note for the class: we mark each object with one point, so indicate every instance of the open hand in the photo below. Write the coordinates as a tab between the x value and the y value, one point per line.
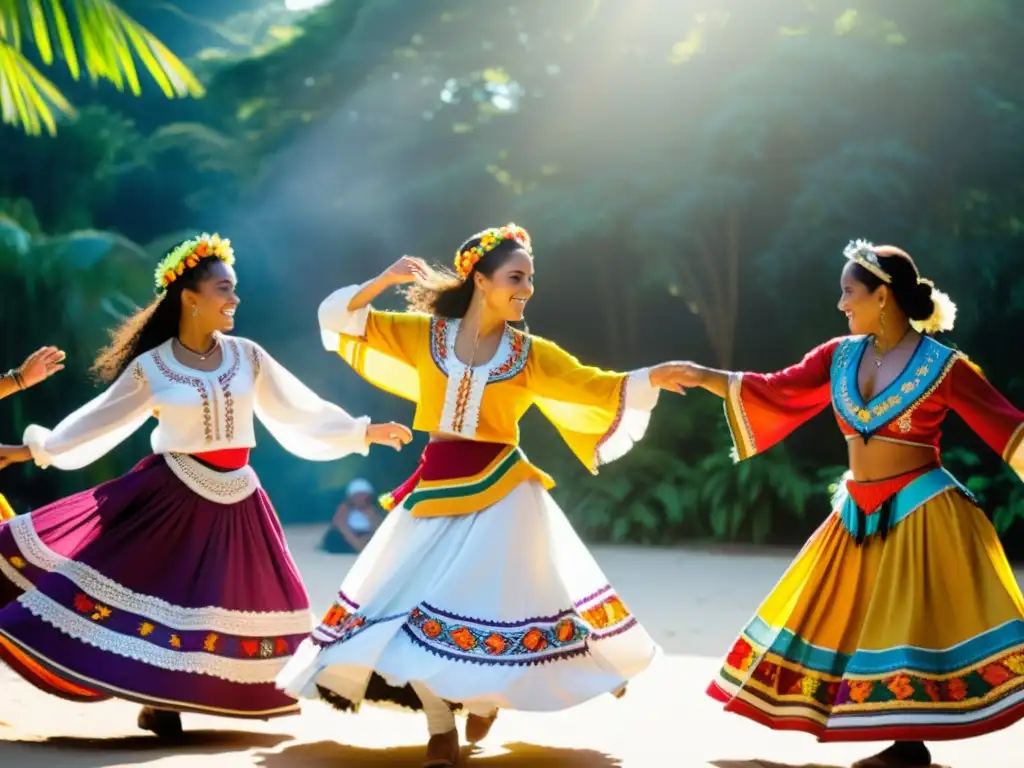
14	454
40	365
391	433
407	269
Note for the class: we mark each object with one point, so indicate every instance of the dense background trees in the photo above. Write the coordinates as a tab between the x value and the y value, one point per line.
690	172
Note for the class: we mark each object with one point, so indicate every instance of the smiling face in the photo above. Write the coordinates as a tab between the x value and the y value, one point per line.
213	298
862	306
509	288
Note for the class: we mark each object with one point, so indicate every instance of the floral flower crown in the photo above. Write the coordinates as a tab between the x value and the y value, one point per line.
944	310
188	255
489	240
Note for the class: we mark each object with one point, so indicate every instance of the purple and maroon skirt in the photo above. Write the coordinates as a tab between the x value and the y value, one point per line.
171	586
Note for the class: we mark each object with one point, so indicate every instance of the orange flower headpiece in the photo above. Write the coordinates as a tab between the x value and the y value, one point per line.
489	240
188	255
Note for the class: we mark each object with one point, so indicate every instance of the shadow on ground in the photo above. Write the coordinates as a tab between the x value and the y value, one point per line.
518	755
77	752
769	764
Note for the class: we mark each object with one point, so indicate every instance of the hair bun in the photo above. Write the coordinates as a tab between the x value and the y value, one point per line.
933	311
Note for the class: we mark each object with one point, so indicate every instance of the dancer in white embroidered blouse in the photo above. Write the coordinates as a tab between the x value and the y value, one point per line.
171	586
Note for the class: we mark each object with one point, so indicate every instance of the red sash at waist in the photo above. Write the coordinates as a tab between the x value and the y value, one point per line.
445	460
225	458
870	496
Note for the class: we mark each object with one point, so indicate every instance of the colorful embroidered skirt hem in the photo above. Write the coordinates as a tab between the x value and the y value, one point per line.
505	608
917	636
141	589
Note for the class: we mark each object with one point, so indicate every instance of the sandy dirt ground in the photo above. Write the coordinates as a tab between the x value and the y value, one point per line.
693	602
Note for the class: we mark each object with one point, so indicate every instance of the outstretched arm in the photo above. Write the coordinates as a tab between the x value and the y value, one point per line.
986	410
678	377
310	427
762	408
90	432
38	366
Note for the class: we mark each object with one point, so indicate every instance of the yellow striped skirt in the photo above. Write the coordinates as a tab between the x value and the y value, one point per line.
917	635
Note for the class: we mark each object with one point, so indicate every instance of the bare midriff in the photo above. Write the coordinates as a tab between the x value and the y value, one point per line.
881	460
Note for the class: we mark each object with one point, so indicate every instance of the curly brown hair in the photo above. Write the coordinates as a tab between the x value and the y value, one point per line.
148	328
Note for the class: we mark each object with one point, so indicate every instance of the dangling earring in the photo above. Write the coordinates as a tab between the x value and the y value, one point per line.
195	311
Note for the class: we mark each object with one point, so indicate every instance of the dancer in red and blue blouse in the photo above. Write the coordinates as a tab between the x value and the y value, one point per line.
900	620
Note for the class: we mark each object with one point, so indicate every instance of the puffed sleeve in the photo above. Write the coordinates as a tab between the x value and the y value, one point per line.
600	414
986	411
97	427
382	347
302	422
765	408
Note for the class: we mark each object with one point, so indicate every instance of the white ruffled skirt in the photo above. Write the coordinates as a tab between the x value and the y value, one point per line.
501	608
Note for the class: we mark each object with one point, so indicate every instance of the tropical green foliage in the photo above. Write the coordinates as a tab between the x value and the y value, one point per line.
689	171
94	35
82	281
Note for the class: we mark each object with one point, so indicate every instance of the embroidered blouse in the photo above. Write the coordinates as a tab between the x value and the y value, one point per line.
599	414
765	408
200	411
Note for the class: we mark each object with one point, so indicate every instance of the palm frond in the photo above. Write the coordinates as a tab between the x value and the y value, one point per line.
109	40
27	98
94	35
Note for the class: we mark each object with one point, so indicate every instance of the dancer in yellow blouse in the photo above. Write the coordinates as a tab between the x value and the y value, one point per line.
476	593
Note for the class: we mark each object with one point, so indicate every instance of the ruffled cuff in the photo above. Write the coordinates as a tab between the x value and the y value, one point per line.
35	438
639	396
336	320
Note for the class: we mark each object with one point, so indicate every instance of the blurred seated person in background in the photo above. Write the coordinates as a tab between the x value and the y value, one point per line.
355	520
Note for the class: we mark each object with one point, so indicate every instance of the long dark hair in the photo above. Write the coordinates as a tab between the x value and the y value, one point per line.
150	327
912	294
445	294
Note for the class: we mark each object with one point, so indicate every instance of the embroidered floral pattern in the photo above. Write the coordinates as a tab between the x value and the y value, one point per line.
976	684
511	366
439	342
189	381
256	359
341	621
224	380
186	641
607	613
83	604
516	360
17	562
526	643
929	364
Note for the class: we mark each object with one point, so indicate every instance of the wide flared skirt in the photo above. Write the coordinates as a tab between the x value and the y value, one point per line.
918	636
501	608
141	589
